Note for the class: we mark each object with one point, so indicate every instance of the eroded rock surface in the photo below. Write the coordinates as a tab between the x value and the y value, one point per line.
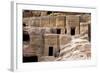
77	49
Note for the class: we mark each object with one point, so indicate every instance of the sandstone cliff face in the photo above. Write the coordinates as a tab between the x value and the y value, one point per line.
68	34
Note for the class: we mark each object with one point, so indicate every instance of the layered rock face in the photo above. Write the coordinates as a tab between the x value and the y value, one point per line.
77	49
57	36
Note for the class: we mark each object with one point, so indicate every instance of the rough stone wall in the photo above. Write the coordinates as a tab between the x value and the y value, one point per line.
52	21
43	13
26	21
45	21
35	22
27	13
36	41
48	21
72	21
84	28
36	13
60	21
50	40
36	44
85	17
64	39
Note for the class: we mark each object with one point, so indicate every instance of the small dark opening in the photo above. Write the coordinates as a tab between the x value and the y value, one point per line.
24	25
58	31
65	31
50	51
73	31
26	36
49	12
30	59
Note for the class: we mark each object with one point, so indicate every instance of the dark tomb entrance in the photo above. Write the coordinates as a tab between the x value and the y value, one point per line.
65	31
30	59
50	51
58	31
24	25
73	31
26	37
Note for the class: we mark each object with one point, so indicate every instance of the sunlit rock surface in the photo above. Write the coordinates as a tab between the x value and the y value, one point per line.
78	49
